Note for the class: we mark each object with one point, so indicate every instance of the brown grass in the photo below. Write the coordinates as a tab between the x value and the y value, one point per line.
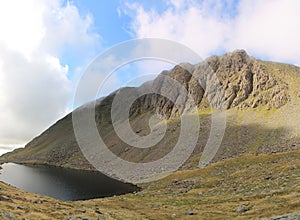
267	184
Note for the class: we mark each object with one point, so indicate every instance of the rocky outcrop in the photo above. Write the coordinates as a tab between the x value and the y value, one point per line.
235	80
292	216
247	83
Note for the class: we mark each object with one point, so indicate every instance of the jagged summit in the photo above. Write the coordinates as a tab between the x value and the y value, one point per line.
245	83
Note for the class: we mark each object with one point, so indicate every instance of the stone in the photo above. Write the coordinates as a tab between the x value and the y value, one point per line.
5	199
155	206
98	211
81	210
101	217
291	216
10	215
189	212
25	208
173	215
86	218
241	209
38	201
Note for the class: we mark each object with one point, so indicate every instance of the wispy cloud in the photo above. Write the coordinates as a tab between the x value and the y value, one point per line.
267	29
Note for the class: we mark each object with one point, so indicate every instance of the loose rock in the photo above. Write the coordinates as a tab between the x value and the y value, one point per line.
189	212
5	199
241	209
173	215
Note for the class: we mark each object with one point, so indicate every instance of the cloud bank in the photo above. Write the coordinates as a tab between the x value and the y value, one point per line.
266	29
35	86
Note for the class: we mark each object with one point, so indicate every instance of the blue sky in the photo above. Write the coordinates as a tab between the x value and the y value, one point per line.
45	46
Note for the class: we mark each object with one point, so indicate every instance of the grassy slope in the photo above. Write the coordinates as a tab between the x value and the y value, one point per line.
248	131
267	184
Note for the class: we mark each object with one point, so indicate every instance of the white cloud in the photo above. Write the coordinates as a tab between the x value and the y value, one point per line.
194	25
267	29
34	93
177	3
21	25
34	86
66	29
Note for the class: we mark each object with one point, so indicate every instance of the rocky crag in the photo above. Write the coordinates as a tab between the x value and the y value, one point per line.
245	83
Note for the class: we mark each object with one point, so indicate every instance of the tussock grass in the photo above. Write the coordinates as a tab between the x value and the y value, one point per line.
267	184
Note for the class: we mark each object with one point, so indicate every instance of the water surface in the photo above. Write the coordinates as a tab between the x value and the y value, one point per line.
61	183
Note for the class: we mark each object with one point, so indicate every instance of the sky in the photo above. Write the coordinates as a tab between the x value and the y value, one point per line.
45	46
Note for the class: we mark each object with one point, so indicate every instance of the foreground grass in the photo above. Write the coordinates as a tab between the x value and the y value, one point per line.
266	185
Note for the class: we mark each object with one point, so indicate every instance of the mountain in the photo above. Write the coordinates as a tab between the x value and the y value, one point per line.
261	100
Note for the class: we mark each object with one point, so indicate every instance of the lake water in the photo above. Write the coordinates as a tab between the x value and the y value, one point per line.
63	184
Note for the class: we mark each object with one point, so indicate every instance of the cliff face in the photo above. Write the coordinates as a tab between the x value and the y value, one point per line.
245	83
255	94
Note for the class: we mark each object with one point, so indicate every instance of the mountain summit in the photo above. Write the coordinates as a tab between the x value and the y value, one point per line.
245	83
